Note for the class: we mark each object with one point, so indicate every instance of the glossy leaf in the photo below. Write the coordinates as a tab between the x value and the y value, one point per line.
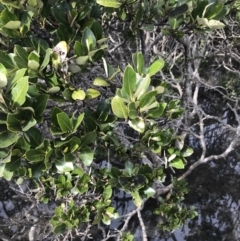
155	67
3	80
78	95
180	10
137	200
158	111
137	124
82	60
88	39
92	93
129	81
19	91
214	10
12	25
64	122
149	192
8	138
86	155
132	111
88	138
177	163
109	3
34	155
79	49
6	61
142	86
119	108
99	81
77	121
34	136
63	166
186	152
39	104
147	99
129	168
107	192
138	61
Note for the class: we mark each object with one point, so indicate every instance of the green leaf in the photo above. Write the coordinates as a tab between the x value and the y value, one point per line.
7	175
3	80
177	163
79	49
53	90
180	10
76	122
137	200
12	25
212	24
132	111
32	3
99	81
198	11
8	138
14	164
142	86
92	93
19	92
82	60
147	99
106	219
138	61
88	138
61	228
155	67
149	192
86	154
60	14
137	124
214	10
34	155
7	16
119	108
13	80
46	59
78	95
21	53
33	60
129	81
63	166
107	192
97	30
109	3
88	39
30	123
7	61
37	169
34	136
186	152
158	111
64	122
129	168
39	104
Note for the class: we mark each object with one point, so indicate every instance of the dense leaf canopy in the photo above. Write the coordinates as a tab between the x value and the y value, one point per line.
86	81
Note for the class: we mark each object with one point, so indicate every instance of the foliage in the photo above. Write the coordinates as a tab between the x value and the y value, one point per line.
37	78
